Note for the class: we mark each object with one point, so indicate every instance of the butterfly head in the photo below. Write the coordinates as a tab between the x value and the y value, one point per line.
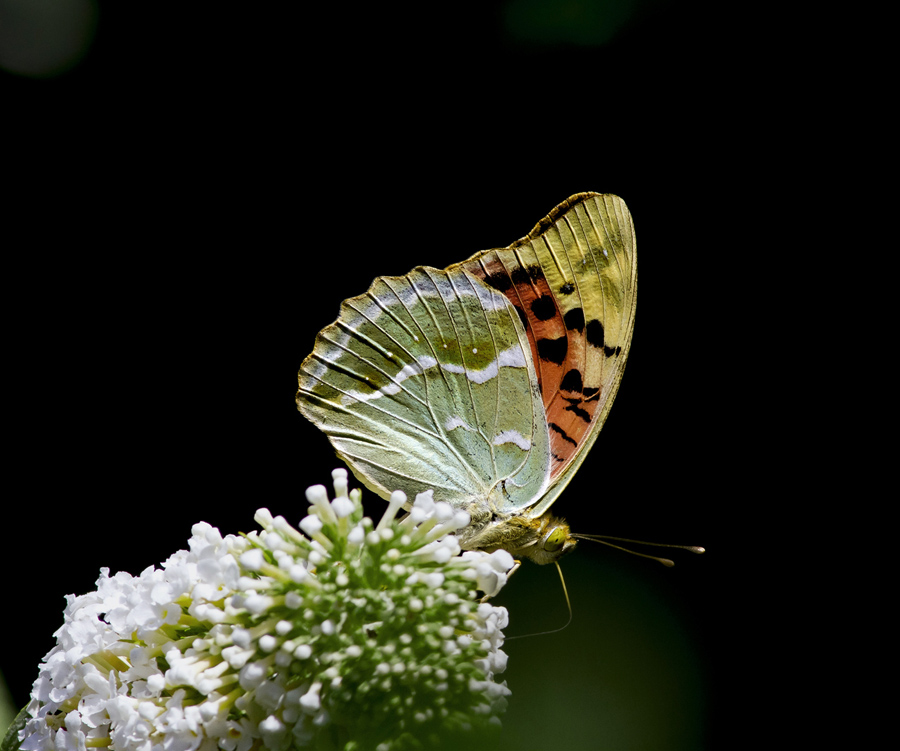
545	539
554	542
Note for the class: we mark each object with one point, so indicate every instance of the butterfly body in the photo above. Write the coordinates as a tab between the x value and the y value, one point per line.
522	535
486	382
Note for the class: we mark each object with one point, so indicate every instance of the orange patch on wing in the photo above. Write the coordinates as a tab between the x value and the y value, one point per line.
569	414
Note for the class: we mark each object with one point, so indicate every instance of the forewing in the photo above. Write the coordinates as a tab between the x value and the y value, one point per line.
573	282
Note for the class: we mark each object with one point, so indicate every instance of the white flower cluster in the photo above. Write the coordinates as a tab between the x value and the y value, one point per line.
350	632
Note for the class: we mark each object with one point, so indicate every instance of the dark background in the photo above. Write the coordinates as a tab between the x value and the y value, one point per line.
203	189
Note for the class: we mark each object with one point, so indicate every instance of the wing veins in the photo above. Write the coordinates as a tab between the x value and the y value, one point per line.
392	379
434	420
465	373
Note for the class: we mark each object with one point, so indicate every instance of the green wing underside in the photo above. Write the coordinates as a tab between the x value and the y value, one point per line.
427	382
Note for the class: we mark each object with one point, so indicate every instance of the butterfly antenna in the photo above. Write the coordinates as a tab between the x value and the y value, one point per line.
568	604
664	561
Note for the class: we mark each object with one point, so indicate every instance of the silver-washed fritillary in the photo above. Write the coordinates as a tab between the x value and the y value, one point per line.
486	382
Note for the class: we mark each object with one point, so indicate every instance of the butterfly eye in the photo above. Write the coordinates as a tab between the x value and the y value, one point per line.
555	540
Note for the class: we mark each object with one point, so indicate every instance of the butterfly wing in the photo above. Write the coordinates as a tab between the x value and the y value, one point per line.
487	382
427	382
573	282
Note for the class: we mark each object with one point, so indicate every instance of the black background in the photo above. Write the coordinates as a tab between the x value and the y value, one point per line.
201	193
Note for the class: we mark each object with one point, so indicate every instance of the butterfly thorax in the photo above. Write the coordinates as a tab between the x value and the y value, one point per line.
543	539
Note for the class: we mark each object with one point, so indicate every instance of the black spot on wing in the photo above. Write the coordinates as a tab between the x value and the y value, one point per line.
555	428
574	319
567	289
527	274
572	381
499	280
576	410
589	392
553	350
610	351
543	308
595	333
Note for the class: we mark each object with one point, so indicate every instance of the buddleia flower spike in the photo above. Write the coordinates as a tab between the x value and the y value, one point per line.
339	631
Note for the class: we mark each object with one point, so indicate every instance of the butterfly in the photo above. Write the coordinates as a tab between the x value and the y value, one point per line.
486	382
